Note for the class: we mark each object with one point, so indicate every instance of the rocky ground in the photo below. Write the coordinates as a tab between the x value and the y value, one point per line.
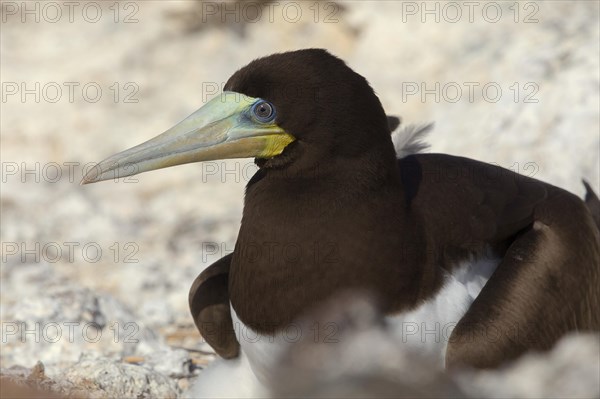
95	278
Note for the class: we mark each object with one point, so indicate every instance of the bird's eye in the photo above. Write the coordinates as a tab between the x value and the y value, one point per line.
264	111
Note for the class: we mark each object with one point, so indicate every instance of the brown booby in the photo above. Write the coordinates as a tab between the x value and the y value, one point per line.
471	262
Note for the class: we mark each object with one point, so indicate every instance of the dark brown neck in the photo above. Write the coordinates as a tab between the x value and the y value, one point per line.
333	233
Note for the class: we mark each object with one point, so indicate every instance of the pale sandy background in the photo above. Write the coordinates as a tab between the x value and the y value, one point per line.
155	233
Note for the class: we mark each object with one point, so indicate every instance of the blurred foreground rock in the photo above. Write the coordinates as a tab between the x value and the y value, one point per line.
366	360
570	370
352	353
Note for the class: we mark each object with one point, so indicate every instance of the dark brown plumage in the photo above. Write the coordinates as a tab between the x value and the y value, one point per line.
336	211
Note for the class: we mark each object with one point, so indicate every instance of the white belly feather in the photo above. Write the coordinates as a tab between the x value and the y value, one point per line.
425	329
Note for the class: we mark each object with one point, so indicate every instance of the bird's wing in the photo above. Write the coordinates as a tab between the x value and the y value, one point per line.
469	203
545	286
209	304
547	281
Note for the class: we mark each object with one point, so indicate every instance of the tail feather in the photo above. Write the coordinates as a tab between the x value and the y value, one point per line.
393	122
593	202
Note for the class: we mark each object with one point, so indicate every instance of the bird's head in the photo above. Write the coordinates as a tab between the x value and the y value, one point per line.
287	110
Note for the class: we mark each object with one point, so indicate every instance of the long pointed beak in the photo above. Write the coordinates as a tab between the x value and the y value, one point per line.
223	128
